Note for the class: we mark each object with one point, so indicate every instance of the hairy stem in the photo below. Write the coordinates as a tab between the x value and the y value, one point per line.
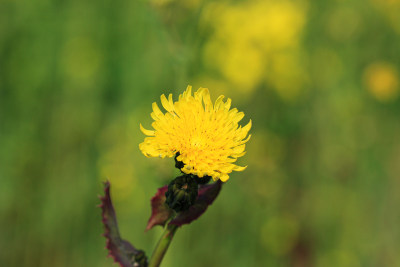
162	246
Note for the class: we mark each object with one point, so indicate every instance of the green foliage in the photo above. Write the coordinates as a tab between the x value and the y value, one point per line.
319	79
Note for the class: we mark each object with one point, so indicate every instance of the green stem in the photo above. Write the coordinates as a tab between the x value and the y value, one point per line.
162	246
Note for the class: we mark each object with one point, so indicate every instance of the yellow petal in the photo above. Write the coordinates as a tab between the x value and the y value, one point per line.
170	101
224	177
239	168
146	132
228	104
247	127
188	91
153	116
206	99
246	140
232	113
166	104
238	117
219	102
157	111
238	149
238	155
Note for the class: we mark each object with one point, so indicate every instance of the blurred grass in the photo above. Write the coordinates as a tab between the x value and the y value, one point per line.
319	79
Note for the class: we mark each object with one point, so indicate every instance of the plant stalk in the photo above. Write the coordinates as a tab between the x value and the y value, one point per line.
162	246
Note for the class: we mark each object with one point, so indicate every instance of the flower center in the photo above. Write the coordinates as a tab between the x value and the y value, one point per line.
196	142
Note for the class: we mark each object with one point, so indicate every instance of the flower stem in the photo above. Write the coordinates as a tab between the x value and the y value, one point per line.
162	246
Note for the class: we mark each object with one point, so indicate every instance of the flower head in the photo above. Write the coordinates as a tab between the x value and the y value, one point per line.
207	136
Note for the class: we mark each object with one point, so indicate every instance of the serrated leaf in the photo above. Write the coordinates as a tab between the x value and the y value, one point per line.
121	250
207	195
160	212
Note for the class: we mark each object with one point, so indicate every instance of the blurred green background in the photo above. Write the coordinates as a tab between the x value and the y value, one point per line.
319	79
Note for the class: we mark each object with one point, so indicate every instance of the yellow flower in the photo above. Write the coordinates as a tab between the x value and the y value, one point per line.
207	137
382	81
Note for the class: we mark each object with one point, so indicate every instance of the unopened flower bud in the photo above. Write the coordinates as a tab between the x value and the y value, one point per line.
140	259
202	180
182	193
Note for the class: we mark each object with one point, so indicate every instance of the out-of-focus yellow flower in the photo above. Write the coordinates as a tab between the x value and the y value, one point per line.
382	81
257	42
207	137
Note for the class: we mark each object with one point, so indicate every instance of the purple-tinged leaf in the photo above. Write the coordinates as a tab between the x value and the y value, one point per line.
206	196
121	250
160	212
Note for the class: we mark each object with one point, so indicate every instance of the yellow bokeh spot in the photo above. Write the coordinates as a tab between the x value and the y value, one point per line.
245	71
382	81
257	42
